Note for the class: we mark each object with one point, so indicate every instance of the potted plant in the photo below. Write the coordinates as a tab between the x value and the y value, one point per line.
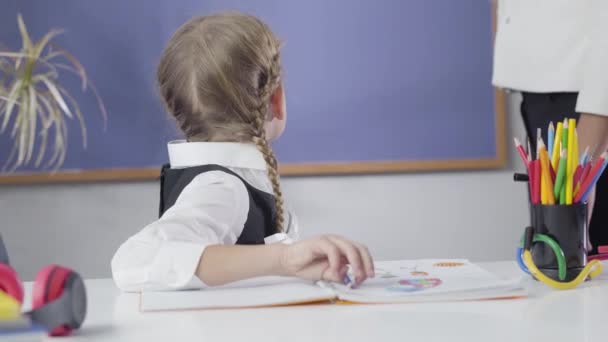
34	106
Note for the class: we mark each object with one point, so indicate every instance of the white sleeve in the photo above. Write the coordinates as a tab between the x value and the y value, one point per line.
291	232
211	210
292	225
593	95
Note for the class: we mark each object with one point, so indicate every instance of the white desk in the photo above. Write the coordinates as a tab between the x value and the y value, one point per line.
548	315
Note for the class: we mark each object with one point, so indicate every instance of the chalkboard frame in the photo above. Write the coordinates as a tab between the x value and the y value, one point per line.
299	169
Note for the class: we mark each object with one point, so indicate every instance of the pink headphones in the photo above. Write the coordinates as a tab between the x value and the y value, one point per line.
59	296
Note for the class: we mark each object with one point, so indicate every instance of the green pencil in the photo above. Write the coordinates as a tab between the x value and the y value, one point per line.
561	174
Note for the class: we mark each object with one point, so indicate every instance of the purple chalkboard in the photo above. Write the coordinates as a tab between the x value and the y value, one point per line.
366	81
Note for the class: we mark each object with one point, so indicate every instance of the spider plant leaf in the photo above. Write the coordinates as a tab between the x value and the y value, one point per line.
12	100
76	67
102	107
76	107
16	125
49	119
53	72
43	138
81	74
6	67
25	37
42	149
79	70
14	55
42	43
22	135
58	143
56	95
32	109
7	165
64	150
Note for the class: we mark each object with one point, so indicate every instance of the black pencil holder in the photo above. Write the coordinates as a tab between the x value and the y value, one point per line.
567	225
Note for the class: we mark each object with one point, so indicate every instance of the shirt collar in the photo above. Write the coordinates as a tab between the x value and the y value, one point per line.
228	154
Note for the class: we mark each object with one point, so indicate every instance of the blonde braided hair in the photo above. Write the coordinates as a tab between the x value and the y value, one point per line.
262	143
217	76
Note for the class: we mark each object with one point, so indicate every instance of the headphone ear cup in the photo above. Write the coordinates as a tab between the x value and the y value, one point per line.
48	286
10	283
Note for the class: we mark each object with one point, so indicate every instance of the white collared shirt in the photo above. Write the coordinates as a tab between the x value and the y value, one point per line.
547	46
211	210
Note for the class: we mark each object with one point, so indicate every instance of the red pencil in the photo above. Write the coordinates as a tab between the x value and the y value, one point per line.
532	181
589	179
522	153
584	174
536	184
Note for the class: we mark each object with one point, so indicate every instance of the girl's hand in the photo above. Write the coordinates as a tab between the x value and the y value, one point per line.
327	258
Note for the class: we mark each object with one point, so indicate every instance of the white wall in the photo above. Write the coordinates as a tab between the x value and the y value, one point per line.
476	215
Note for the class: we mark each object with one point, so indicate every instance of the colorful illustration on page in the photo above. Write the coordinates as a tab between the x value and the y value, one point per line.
414	284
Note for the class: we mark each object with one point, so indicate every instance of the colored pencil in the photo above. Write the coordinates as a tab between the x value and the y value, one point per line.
562	191
550	138
585	156
536	192
532	181
522	153
545	167
557	146
540	146
565	134
577	174
588	182
596	177
584	175
561	175
570	166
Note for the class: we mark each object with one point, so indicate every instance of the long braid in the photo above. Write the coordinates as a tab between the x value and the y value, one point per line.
269	81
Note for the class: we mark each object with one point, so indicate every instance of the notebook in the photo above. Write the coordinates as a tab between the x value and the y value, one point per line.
403	281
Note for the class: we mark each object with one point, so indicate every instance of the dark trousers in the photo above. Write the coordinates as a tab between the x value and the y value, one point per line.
537	111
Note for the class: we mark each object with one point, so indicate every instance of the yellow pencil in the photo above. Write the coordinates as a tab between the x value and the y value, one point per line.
546	174
557	146
571	162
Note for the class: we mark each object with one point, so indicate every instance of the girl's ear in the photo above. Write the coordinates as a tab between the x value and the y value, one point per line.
277	103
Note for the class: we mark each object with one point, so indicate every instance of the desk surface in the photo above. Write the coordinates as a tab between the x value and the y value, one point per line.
547	315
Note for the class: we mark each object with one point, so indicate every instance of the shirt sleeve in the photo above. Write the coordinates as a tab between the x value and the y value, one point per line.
211	210
593	94
292	224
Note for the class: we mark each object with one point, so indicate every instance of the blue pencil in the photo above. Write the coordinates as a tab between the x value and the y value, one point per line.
551	137
585	157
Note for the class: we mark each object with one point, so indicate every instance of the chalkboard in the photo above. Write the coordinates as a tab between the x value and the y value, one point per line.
372	86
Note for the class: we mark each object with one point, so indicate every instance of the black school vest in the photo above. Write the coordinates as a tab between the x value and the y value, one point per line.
260	219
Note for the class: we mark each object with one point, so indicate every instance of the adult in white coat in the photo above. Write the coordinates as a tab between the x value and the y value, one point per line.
555	52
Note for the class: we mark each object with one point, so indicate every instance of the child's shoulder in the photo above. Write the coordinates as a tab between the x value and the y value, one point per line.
216	177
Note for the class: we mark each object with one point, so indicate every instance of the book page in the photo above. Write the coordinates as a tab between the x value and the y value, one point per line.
429	280
259	292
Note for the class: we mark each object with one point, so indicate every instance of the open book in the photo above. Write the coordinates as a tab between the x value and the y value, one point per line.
395	282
